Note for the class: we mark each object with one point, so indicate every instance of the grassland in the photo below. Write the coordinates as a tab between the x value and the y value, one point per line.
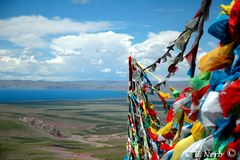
101	127
100	122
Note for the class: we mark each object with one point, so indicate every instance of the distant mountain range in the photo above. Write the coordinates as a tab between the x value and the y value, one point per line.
91	84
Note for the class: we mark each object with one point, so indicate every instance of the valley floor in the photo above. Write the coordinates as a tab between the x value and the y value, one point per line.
94	129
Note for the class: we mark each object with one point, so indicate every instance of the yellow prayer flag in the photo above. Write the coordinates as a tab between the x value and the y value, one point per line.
197	130
164	95
165	129
218	58
181	146
227	8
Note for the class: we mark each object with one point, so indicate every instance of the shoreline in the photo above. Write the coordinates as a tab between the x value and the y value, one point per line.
117	99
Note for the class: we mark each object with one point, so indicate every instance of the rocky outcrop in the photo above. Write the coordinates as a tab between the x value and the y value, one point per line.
49	128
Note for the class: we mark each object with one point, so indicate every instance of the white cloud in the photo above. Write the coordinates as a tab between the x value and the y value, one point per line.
5	52
86	56
72	50
28	40
29	31
80	1
74	57
106	70
121	73
96	43
93	51
17	65
56	60
96	61
152	48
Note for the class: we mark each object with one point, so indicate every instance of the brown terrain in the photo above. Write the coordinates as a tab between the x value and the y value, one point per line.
68	130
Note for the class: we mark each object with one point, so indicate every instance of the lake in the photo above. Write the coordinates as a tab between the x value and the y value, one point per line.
17	95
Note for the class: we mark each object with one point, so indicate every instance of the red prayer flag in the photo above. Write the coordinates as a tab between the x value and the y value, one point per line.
237	129
197	95
231	151
152	113
152	135
169	116
165	147
192	54
234	21
154	156
229	97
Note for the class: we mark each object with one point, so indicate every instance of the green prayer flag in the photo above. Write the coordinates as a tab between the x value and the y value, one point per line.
200	80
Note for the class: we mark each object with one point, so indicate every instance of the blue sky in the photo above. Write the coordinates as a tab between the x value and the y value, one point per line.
91	39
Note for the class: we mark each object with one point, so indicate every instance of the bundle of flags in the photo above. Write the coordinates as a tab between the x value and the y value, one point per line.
203	122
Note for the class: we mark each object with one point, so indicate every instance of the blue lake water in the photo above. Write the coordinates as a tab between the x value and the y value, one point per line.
16	95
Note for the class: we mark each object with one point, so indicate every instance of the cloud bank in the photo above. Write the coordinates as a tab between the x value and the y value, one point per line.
63	49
